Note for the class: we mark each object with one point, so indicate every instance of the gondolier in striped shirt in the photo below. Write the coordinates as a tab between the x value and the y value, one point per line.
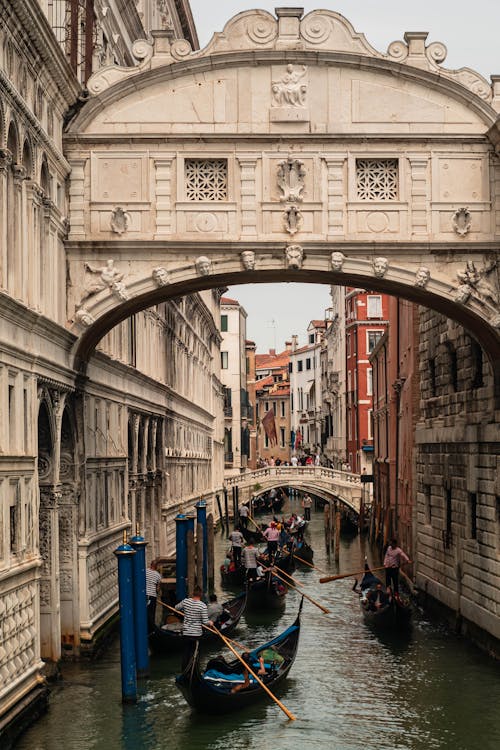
195	616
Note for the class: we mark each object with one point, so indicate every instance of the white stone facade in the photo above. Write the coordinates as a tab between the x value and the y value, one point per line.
234	378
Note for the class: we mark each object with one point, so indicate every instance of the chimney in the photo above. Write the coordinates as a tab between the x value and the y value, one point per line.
272	352
295	342
288	346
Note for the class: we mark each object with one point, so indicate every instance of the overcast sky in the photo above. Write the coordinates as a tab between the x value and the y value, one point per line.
470	32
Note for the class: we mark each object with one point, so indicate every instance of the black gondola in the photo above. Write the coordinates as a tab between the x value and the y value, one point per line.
168	638
395	614
266	593
233	578
303	552
210	691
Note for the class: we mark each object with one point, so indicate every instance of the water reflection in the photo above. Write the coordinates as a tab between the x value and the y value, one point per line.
351	688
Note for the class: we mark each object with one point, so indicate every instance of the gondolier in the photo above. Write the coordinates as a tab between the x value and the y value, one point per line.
195	616
393	559
249	557
243	513
237	541
306	504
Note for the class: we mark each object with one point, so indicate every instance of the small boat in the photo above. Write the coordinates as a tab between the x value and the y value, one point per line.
211	691
168	638
233	578
396	613
266	593
303	552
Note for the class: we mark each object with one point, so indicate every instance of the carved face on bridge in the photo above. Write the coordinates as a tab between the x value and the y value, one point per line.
203	265
248	259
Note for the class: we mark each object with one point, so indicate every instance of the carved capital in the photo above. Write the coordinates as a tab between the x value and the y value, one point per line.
20	173
5	159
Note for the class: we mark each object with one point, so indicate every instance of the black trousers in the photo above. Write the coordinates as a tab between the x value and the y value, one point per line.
237	555
151	612
272	548
188	648
392	579
307	514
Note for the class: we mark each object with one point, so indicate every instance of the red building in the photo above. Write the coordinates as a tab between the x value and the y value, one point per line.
366	322
396	394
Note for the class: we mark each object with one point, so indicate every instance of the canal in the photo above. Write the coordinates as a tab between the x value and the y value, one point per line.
349	688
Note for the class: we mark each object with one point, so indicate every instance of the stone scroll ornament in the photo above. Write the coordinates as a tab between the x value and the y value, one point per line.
294	256
291	175
290	90
108	278
462	221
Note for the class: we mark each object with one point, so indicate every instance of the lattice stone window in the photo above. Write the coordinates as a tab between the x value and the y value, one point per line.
377	179
206	179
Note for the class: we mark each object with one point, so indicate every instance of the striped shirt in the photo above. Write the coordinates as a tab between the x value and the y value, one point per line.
249	556
195	614
153	578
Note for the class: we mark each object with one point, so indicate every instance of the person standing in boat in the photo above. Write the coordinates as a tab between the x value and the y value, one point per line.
153	578
243	514
272	535
394	558
237	540
249	557
195	616
306	504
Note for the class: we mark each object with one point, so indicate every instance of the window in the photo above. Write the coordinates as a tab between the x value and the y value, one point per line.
369	382
348	344
223	323
311	338
377	179
299	366
266	406
427	504
274	408
224	360
282	404
473	514
206	179
282	437
372	338
290	367
308	363
374	306
369	433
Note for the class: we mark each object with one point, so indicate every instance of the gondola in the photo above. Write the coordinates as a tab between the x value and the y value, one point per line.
396	614
210	691
283	560
266	593
168	638
304	551
233	578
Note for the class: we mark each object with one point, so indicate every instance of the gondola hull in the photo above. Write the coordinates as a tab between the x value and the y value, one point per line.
164	641
233	578
264	595
303	553
211	691
396	614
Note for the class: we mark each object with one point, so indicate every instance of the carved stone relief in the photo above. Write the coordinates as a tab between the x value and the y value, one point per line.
462	221
109	277
294	255
203	266
380	266
422	277
292	219
83	317
119	221
474	282
291	175
248	259
337	260
290	90
160	276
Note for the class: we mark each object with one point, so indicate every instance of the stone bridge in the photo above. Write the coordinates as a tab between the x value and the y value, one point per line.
330	484
288	149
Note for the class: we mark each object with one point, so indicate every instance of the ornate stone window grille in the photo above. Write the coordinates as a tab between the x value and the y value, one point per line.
377	179
206	179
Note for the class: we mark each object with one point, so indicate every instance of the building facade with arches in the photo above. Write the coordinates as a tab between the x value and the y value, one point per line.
288	149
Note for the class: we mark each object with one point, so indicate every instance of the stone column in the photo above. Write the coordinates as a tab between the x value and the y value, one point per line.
19	239
5	164
335	194
419	166
248	163
163	193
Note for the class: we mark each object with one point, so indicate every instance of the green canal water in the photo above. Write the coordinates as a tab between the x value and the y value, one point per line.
349	688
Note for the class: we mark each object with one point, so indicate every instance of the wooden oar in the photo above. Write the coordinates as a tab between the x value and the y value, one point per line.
297	588
206	627
348	575
257	527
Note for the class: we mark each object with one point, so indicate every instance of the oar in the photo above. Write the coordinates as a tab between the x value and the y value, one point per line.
348	575
247	667
297	588
181	614
257	527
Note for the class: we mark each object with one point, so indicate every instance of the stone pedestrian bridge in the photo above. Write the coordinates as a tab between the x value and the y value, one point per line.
288	149
330	484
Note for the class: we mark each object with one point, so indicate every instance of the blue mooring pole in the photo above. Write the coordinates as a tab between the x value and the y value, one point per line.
201	518
124	554
181	530
140	604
